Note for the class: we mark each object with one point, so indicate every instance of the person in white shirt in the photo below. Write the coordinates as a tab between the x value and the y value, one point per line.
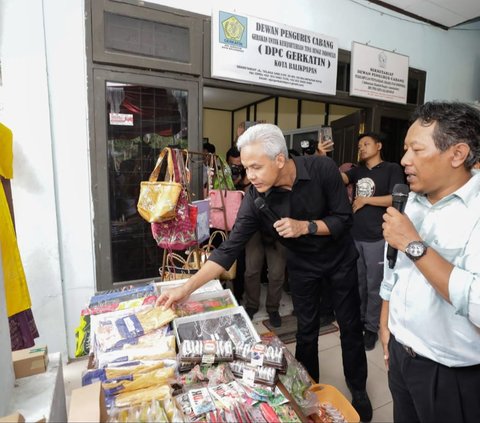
430	320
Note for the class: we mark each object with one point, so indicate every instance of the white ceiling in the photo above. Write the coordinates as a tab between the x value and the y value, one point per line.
448	13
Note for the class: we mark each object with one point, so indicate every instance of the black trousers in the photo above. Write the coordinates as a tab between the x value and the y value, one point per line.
426	391
305	287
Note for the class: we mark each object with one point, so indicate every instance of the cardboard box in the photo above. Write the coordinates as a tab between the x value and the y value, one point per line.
87	404
13	418
30	361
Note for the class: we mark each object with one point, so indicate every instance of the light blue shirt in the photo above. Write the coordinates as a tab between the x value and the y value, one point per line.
419	316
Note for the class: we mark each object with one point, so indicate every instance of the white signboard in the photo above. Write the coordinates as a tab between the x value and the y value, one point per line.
254	50
378	74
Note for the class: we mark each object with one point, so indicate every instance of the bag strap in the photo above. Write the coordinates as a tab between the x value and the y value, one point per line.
156	170
193	260
182	173
210	171
209	247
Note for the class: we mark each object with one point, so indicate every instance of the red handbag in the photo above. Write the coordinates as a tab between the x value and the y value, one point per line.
178	233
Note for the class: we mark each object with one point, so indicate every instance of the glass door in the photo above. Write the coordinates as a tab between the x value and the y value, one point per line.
136	116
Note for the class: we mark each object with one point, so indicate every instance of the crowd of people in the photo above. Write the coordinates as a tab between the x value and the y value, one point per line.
426	307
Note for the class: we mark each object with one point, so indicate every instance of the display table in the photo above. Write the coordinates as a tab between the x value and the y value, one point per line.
227	371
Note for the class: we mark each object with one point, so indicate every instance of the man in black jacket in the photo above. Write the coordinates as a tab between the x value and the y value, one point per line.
309	198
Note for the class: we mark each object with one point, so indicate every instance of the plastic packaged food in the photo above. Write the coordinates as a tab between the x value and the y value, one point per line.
206	352
268	355
259	374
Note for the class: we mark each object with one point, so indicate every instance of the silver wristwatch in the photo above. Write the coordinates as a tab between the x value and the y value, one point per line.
416	250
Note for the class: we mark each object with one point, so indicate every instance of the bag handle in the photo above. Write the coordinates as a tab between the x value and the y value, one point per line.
209	247
181	171
210	172
156	170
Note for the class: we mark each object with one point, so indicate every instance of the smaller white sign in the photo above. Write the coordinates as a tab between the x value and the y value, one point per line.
123	119
378	74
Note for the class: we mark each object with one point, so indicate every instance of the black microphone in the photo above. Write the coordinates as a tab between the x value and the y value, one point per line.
400	197
263	207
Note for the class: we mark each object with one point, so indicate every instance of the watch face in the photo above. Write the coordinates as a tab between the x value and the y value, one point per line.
312	228
416	249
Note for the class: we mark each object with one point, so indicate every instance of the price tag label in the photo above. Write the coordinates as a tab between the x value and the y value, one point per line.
208	358
209	346
258	353
248	376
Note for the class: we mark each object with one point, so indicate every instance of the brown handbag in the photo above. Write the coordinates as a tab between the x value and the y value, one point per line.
178	267
157	201
227	275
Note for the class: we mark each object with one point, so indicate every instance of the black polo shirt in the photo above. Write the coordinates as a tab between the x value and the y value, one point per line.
374	182
318	193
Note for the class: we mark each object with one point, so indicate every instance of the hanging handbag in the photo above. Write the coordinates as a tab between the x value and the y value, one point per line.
178	267
224	202
178	233
203	219
158	199
205	251
222	174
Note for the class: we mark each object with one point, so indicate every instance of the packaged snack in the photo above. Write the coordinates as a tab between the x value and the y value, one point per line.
200	401
262	354
259	374
206	301
207	351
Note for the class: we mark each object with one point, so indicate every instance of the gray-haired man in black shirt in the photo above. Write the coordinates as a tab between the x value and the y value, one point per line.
309	198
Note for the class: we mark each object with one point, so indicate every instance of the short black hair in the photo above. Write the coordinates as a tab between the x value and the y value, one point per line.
455	123
209	147
378	138
232	152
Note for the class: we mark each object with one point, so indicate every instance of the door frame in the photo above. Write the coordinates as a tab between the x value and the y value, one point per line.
99	154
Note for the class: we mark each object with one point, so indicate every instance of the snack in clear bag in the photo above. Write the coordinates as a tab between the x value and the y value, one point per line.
227	395
164	349
207	351
186	408
142	381
153	411
295	383
128	399
219	374
200	401
112	373
205	302
256	374
268	355
195	375
113	330
327	413
286	414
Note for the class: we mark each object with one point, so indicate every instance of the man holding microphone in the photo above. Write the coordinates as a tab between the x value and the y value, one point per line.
430	320
303	203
